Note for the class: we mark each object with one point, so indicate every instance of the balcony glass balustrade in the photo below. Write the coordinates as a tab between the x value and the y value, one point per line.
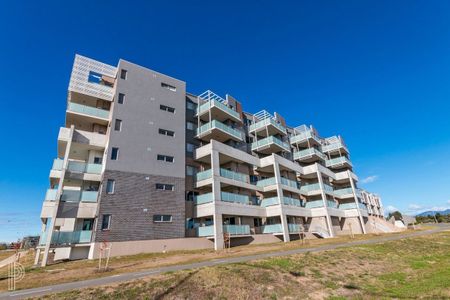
236	198
266	122
269	201
332	204
88	110
67	237
82	167
237	229
77	196
341	192
214	103
203	175
292	202
266	182
310	187
270	140
351	205
273	228
234	175
290	183
57	164
205	231
337	161
294	228
219	125
50	195
314	204
308	153
202	199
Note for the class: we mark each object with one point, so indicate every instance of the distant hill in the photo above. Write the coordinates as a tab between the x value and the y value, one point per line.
432	212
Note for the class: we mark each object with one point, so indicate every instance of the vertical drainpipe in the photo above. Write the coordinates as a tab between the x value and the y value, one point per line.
58	197
324	199
363	228
284	224
217	215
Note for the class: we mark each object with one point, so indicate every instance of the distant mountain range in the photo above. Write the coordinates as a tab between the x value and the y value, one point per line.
432	212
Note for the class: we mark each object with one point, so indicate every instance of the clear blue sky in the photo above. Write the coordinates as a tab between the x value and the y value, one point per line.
376	72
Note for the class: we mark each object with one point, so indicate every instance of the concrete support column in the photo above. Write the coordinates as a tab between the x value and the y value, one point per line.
324	199
38	254
361	221
284	224
51	225
217	216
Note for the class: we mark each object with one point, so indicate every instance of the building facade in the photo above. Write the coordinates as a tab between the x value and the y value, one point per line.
143	166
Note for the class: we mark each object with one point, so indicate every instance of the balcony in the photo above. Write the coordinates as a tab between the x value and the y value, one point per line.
79	196
237	229
205	231
295	228
218	131
310	188
292	202
309	155
57	164
303	137
269	145
338	162
83	167
234	175
269	202
266	182
235	198
203	175
71	237
351	205
290	183
273	228
219	111
272	126
314	204
362	206
203	199
335	146
332	204
94	139
344	193
50	195
88	111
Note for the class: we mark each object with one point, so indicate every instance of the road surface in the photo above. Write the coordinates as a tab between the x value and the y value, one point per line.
35	292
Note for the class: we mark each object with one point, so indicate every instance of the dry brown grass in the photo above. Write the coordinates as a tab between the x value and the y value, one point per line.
87	269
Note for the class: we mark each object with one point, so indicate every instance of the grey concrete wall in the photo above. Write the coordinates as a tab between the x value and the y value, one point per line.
139	141
133	205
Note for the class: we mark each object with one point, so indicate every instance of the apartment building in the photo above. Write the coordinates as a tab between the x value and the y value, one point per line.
144	166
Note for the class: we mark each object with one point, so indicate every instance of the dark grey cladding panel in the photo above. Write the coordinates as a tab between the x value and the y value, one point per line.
134	203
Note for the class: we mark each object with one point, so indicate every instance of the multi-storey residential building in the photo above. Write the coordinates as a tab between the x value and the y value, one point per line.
144	166
373	203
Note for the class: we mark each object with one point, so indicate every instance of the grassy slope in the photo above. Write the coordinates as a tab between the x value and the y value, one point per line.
410	268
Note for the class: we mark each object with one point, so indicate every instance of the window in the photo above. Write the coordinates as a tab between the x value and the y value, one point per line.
166	132
190	147
95	77
87	224
167	108
165	187
114	153
165	158
118	125
162	218
190	170
190	195
123	74
121	98
98	160
110	185
106	222
191	105
168	86
190	125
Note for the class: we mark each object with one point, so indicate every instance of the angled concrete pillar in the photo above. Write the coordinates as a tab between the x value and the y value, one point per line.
217	216
284	224
324	199
361	221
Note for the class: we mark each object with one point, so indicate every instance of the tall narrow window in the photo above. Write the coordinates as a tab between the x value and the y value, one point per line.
190	147
190	125
114	153
121	98
110	186
190	170
123	74
106	222
118	125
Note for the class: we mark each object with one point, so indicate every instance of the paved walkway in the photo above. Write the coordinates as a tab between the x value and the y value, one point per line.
35	292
